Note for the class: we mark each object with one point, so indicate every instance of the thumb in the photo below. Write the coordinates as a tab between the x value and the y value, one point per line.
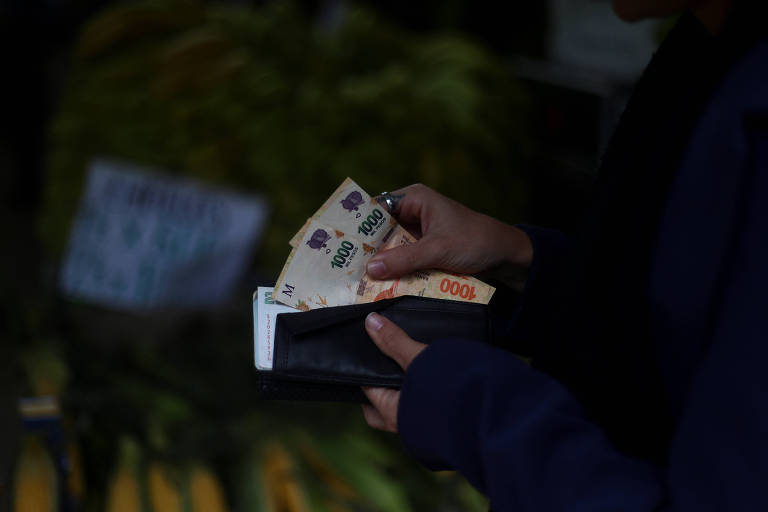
406	259
392	340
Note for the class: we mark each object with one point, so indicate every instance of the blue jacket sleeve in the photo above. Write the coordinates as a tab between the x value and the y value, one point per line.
520	438
515	434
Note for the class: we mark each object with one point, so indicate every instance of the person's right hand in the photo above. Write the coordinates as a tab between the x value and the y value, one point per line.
451	237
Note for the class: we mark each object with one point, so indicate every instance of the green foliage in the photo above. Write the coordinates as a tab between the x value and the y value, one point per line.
265	101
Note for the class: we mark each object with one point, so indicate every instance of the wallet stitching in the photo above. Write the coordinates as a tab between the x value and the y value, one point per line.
419	310
340	379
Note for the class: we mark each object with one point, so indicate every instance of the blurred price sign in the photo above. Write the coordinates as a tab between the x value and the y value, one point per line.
141	240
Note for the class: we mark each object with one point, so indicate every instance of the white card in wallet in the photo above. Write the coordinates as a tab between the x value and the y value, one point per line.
265	311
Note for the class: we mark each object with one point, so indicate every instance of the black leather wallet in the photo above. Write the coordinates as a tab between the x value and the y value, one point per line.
326	354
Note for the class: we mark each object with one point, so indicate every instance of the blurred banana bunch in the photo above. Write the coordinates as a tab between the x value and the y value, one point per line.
137	485
294	470
276	477
35	480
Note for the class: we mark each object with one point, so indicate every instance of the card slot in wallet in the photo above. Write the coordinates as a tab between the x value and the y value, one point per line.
326	354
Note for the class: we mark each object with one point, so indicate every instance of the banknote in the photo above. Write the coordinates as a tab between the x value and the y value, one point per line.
265	309
324	269
424	283
296	239
351	210
327	268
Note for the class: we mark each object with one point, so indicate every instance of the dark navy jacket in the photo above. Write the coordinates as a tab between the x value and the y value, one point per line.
652	391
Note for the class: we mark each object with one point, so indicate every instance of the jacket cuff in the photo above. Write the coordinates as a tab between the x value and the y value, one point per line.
435	425
549	246
544	276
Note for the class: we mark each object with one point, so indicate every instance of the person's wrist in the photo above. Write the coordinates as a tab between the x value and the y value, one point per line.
512	255
516	246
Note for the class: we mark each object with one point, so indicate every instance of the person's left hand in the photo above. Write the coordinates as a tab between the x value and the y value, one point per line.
393	341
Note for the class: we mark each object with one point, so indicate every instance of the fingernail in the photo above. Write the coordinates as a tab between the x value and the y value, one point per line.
374	321
376	268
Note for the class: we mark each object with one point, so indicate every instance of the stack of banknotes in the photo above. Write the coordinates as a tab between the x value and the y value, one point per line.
327	265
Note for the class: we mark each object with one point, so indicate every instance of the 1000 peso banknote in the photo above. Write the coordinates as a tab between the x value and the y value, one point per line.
351	210
424	283
324	269
330	252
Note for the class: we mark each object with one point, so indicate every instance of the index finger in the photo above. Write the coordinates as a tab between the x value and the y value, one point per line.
409	206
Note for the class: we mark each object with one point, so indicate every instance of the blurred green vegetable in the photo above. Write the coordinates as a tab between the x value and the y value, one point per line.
263	100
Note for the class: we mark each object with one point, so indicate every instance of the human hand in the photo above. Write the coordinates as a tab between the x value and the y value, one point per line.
451	237
394	342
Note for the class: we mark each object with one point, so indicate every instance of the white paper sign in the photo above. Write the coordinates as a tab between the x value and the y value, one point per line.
142	240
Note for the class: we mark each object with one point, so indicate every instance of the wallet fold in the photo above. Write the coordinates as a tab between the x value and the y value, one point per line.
326	354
